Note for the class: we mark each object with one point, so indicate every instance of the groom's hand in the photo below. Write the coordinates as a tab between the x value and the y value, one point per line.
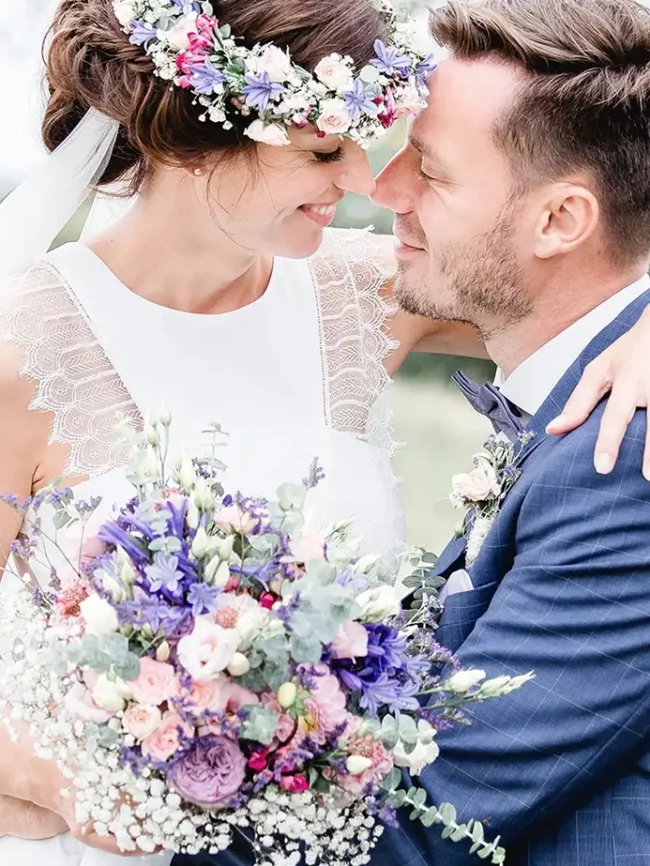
28	821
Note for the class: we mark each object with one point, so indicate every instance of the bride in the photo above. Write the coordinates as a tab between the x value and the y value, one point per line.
220	291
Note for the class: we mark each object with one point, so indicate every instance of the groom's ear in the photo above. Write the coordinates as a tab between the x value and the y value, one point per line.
569	217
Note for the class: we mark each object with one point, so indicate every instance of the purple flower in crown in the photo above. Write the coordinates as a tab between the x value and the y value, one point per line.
424	69
187	6
260	90
204	78
360	100
141	33
389	61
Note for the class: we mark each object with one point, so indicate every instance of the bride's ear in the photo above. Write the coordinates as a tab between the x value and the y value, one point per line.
569	217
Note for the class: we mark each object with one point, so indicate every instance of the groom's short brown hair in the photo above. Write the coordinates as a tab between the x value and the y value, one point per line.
584	102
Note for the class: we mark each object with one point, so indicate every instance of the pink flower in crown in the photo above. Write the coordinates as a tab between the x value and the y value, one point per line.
325	706
388	113
156	683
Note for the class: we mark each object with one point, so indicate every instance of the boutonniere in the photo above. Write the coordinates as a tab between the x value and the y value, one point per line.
481	492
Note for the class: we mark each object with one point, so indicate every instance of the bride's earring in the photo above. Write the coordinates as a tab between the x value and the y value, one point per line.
198	172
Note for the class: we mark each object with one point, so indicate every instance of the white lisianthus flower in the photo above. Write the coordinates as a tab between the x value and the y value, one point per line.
267	133
415	761
334	73
98	615
275	62
179	36
335	119
463	681
111	695
379	603
208	650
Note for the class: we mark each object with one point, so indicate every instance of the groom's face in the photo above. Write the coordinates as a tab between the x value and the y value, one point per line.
459	224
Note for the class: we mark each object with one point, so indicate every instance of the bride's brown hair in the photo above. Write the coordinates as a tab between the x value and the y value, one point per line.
91	64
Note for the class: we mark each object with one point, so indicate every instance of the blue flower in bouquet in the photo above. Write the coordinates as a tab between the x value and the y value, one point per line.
164	574
203	598
260	90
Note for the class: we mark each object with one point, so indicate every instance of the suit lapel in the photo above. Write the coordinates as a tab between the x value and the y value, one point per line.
463	610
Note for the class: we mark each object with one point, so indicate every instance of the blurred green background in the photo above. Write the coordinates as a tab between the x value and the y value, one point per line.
439	430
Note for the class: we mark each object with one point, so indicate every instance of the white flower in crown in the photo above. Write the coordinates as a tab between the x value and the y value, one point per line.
124	12
335	73
268	133
335	118
276	63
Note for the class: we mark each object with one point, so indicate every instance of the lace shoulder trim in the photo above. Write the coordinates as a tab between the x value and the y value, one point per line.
349	272
74	380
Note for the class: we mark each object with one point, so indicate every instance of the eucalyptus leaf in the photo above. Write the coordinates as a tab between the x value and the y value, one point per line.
306	650
391	780
260	724
448	813
116	646
397	799
129	669
430	817
459	834
420	797
107	737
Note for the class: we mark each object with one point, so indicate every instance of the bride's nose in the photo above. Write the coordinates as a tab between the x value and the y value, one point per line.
356	173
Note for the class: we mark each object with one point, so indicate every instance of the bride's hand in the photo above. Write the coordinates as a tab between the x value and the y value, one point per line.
28	821
623	370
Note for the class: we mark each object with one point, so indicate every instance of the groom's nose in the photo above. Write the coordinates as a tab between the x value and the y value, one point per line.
392	187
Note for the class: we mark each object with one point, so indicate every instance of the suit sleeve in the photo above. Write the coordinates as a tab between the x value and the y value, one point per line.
575	608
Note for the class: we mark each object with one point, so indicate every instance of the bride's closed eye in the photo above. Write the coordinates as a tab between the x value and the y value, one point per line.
329	156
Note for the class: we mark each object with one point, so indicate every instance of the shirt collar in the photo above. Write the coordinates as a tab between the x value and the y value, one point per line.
532	381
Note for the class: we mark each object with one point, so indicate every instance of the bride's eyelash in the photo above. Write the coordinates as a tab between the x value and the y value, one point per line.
333	156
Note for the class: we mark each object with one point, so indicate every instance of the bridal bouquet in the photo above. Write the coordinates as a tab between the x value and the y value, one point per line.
210	666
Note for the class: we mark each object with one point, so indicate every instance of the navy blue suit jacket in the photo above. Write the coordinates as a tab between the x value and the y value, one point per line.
561	768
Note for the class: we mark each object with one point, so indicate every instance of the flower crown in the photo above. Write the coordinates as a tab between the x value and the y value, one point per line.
188	46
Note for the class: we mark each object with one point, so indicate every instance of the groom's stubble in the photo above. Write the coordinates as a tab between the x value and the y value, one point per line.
478	282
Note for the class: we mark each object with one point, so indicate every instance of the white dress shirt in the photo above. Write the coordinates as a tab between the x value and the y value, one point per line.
532	381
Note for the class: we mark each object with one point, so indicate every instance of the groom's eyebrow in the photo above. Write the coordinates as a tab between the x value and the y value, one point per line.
425	151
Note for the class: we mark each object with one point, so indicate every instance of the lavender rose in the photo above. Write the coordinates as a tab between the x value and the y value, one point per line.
210	773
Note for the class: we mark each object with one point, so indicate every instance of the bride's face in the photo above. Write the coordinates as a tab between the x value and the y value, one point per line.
279	201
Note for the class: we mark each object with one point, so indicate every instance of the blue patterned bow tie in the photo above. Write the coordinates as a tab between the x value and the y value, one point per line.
489	401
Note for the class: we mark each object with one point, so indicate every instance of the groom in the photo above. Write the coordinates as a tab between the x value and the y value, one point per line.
522	206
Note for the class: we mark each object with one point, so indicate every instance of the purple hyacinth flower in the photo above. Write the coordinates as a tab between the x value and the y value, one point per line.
359	99
389	61
202	598
259	90
187	6
164	573
141	33
204	78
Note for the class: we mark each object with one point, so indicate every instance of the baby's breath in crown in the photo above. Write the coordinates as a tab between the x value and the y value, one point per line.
190	47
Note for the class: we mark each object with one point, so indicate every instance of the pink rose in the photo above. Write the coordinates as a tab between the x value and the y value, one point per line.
325	706
309	545
156	684
179	36
286	724
165	741
334	73
80	704
233	518
351	642
218	696
141	720
477	485
335	118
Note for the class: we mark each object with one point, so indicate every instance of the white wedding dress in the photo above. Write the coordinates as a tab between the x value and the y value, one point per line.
296	375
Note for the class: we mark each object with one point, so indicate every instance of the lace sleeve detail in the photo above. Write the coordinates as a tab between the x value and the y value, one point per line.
349	274
74	380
